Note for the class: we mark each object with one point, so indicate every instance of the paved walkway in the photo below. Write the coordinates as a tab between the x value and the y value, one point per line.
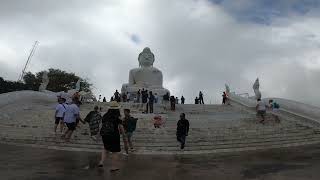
24	163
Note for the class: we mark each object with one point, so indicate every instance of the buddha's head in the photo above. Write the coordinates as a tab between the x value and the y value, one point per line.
146	58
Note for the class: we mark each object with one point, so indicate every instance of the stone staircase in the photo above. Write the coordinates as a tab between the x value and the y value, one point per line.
213	129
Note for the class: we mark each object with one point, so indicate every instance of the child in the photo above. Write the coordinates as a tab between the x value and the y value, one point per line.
59	114
94	118
275	109
129	124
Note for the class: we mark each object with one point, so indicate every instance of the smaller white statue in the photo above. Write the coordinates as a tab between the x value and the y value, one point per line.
256	90
78	85
227	89
45	82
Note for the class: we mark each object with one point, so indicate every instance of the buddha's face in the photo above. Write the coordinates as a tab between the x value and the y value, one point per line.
146	58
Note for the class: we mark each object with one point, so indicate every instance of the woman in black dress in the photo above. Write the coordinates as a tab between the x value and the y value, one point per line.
110	133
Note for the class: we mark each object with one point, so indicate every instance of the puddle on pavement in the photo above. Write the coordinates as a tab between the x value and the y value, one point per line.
263	169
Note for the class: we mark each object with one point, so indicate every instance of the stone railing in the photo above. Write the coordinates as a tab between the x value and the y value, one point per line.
287	107
13	97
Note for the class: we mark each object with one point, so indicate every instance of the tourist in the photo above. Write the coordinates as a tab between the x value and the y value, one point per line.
224	98
173	103
76	95
196	101
182	100
104	99
110	133
144	96
145	100
99	97
128	97
138	96
117	96
166	97
112	99
177	100
71	117
67	97
60	110
274	106
94	119
261	110
201	97
124	97
182	130
158	121
156	98
129	124
150	103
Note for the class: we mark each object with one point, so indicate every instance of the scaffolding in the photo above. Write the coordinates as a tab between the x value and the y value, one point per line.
28	61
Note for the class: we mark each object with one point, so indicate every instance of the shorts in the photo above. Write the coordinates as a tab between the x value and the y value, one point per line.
58	120
261	112
129	134
71	126
275	110
111	143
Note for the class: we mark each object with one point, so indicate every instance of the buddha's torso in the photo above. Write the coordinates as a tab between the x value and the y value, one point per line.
146	76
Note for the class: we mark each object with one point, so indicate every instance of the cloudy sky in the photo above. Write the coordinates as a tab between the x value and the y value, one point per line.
198	44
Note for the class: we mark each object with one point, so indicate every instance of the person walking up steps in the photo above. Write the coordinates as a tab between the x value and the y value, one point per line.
261	110
60	110
138	96
182	130
274	106
94	118
173	103
110	133
72	115
129	125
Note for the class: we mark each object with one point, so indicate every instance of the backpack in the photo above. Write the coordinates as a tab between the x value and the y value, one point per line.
107	129
276	105
96	118
132	124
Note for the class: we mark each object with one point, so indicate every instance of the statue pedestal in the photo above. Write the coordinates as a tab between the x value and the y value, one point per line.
133	90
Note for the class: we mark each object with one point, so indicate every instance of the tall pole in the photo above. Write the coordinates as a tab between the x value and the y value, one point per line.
28	60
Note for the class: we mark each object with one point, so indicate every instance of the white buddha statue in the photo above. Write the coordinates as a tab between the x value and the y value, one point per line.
146	76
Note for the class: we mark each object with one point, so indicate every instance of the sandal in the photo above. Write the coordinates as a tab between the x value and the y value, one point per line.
114	170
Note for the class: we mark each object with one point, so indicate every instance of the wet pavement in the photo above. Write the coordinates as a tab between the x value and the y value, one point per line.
24	163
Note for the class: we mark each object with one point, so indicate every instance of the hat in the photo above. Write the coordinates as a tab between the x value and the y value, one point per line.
114	105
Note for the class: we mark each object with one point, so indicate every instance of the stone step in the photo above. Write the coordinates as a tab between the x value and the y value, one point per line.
173	148
155	135
197	126
172	140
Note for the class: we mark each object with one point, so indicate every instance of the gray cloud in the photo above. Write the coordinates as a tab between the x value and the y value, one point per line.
197	45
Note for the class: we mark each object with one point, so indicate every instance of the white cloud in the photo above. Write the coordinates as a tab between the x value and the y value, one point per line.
197	45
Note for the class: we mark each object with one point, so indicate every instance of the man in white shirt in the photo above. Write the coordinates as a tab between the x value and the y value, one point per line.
261	109
59	114
71	116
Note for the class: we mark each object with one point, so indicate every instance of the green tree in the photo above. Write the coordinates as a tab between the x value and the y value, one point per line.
58	81
9	86
31	81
